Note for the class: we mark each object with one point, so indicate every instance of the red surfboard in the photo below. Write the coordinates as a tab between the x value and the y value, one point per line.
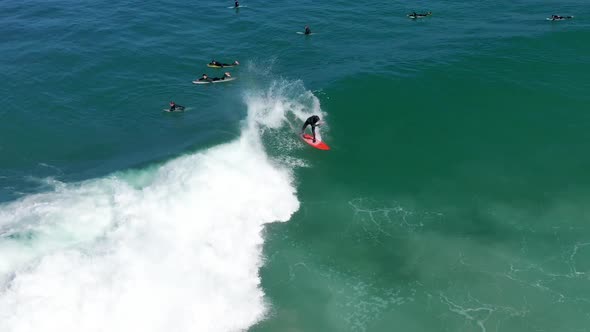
318	144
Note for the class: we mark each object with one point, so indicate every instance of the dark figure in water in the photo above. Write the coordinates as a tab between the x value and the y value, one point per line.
205	78
557	17
174	107
236	4
312	121
217	63
307	30
225	75
414	14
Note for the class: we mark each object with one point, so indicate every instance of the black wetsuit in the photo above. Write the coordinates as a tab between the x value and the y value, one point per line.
176	107
208	79
219	78
236	4
311	121
307	31
215	63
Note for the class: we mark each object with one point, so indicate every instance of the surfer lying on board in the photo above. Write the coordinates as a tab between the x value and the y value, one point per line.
557	17
225	75
420	15
174	107
312	121
209	79
307	30
205	78
216	63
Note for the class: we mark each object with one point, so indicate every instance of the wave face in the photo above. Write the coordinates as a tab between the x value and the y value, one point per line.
175	247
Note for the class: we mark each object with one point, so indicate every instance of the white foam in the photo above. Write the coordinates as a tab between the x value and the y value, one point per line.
180	253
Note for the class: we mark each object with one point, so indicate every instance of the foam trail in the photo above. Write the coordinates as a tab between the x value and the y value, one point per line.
180	253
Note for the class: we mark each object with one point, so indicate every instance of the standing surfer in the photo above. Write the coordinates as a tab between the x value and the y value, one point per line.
312	121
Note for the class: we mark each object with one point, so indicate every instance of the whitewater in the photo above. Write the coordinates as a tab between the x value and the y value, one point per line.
172	247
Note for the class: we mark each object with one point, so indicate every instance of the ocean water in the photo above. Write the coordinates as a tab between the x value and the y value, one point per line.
454	198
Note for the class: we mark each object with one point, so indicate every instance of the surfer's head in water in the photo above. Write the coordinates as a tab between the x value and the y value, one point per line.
307	30
312	121
204	78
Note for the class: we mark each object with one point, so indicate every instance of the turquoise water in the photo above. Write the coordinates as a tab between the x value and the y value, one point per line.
454	197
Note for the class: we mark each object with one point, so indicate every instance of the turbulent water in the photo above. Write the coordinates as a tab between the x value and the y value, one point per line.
454	197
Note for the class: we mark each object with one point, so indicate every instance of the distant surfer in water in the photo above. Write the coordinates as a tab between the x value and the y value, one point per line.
225	75
557	17
236	4
312	121
307	30
216	63
414	14
205	78
174	107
